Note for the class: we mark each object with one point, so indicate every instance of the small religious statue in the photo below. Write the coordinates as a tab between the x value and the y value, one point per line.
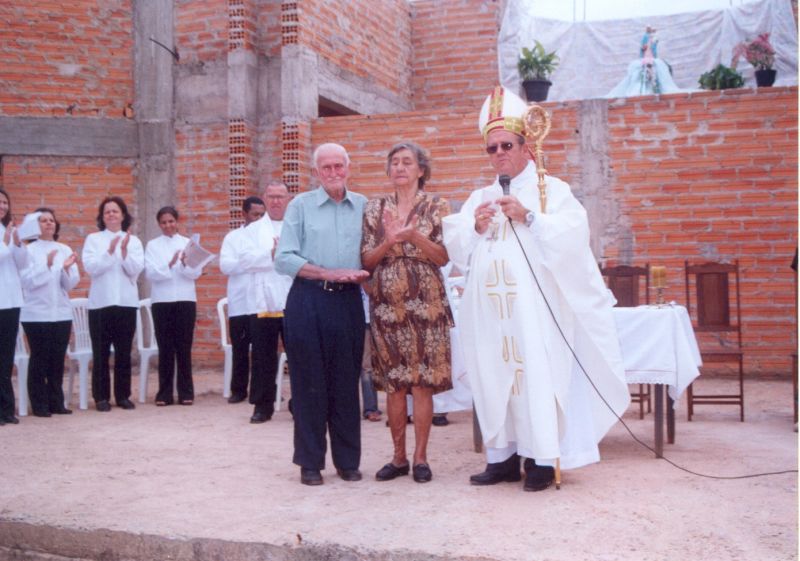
648	74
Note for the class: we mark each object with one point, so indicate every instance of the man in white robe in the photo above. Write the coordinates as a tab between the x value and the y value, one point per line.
532	398
268	291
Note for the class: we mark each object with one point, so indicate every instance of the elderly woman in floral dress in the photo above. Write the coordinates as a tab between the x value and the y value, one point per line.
410	317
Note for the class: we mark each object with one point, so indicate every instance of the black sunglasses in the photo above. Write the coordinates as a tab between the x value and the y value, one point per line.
505	146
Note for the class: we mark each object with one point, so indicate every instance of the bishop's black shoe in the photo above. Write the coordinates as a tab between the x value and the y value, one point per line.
507	470
538	478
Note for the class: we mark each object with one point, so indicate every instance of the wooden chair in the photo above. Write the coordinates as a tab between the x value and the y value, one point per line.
714	294
625	281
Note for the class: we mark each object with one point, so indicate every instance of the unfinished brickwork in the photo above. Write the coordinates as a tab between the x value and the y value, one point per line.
455	52
367	39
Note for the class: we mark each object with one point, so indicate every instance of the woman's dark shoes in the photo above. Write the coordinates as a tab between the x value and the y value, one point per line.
391	471
422	473
440	420
103	406
37	413
310	476
507	470
10	420
126	404
62	411
537	478
237	398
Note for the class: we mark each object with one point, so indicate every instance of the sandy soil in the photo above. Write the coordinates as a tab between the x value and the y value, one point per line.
205	472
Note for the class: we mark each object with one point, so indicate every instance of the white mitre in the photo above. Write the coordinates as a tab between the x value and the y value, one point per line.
504	110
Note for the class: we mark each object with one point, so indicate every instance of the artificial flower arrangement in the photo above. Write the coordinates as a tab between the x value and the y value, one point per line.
758	52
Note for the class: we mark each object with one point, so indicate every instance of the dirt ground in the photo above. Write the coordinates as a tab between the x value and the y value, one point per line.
204	472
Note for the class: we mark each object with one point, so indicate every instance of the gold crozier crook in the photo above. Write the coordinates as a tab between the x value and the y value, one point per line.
537	127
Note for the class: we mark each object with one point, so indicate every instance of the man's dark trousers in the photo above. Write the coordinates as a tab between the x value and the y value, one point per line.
324	337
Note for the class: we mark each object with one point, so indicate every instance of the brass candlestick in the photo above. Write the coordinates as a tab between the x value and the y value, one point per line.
659	275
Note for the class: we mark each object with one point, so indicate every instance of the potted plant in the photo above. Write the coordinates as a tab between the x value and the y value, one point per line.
535	66
761	55
721	77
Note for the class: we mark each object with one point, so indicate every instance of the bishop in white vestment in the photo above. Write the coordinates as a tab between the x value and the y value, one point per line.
528	298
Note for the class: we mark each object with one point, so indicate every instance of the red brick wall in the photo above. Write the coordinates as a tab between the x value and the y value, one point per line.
73	187
459	163
203	198
713	176
367	38
201	30
68	58
697	176
455	52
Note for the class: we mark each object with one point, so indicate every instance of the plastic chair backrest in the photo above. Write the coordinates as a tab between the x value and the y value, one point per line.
81	340
222	314
145	332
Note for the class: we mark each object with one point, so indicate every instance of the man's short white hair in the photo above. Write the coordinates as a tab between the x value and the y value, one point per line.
329	147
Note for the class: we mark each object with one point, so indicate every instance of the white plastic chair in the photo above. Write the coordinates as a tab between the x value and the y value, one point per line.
145	343
21	359
227	349
80	352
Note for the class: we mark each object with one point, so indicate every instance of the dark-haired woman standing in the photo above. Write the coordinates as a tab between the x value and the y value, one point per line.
47	315
410	317
113	258
174	307
13	259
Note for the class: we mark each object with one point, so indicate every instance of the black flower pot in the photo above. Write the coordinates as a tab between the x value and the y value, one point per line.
536	90
765	78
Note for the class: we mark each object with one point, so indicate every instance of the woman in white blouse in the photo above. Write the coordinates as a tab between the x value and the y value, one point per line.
47	315
113	258
13	258
174	307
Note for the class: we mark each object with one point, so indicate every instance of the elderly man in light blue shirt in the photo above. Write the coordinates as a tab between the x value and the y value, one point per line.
320	248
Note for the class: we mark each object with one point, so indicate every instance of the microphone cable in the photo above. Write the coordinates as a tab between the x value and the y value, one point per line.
597	391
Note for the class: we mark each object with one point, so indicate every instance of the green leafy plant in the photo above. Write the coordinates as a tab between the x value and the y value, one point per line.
536	63
721	77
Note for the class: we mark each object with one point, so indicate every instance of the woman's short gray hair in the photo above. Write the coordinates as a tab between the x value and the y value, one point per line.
423	161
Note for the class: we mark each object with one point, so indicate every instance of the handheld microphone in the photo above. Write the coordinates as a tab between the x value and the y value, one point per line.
505	183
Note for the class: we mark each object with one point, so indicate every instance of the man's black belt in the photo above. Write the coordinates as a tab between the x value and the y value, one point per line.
328	286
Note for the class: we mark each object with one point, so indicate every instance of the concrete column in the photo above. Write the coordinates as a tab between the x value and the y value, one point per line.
299	83
594	189
153	20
